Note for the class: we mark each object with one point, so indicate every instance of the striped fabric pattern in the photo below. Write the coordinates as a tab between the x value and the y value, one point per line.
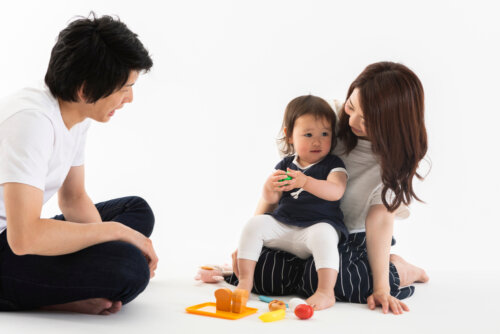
279	273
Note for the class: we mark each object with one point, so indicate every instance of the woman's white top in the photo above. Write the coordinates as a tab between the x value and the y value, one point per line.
364	187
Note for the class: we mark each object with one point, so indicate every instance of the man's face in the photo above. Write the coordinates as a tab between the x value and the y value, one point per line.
104	108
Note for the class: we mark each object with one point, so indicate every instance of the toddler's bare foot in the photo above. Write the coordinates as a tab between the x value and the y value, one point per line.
408	273
321	300
99	306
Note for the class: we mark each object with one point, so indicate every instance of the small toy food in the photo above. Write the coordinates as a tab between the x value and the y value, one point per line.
304	311
223	299
273	315
240	298
276	305
294	302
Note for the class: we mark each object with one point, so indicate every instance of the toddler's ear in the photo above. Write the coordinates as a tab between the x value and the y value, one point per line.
288	140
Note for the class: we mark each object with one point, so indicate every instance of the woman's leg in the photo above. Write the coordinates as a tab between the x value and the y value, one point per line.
408	273
355	282
101	277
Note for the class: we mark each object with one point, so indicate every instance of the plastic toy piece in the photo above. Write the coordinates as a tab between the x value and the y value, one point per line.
269	299
288	177
304	311
213	273
277	305
223	299
210	310
294	302
240	298
273	316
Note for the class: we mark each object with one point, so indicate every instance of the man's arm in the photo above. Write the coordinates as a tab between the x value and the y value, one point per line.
27	233
74	202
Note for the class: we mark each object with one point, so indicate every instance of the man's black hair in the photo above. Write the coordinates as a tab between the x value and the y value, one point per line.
96	54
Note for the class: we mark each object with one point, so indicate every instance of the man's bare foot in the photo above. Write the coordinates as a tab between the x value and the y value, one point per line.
321	300
99	306
408	273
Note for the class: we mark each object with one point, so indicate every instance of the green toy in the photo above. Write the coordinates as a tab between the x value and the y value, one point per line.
288	177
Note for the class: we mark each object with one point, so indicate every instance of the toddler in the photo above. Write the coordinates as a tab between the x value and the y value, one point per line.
308	220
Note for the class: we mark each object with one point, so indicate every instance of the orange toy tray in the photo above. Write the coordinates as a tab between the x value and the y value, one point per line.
208	309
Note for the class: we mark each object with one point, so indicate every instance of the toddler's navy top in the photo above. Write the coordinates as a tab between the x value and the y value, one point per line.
301	208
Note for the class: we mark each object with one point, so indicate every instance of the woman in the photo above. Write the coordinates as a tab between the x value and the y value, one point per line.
382	139
92	258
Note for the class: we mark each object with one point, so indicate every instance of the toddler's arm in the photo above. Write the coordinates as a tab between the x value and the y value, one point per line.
331	189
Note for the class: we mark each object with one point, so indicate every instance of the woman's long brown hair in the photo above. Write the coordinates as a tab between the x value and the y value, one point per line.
392	99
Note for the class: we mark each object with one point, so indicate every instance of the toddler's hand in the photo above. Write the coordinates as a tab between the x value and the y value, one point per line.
298	180
273	183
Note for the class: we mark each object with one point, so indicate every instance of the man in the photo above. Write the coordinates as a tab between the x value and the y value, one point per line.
92	258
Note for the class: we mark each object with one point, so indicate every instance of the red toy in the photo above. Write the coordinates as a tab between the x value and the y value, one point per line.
304	311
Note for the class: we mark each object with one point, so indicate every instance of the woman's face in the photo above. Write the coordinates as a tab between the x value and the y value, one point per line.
356	117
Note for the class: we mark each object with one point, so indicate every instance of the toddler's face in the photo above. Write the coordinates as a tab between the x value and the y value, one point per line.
311	139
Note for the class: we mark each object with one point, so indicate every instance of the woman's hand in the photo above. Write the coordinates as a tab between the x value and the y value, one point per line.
387	302
234	256
144	244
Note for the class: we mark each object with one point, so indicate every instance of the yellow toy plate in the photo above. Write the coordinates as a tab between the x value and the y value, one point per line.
208	309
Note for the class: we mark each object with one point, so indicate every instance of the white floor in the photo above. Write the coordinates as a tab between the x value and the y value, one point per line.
452	302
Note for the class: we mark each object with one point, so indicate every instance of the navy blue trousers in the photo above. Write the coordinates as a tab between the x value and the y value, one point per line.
279	273
114	270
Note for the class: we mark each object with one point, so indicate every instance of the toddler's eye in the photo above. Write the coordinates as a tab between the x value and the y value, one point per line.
325	134
308	135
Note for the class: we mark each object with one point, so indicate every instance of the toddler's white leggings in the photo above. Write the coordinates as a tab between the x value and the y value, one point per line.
319	240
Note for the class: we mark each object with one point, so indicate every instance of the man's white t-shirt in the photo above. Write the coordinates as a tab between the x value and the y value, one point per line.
36	148
364	188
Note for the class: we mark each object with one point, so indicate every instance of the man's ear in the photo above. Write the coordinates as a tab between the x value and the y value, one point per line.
80	95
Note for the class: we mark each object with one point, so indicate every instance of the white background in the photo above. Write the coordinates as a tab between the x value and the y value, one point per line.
199	139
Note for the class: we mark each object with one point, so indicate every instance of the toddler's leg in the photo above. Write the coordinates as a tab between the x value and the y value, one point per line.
258	230
322	240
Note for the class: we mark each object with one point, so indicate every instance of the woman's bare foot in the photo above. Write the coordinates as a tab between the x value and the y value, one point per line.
408	273
99	306
321	300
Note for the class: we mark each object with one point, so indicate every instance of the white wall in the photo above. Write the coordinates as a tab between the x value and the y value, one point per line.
198	141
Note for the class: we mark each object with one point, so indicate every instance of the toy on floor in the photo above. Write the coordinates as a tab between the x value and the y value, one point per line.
228	305
267	299
213	274
301	309
277	305
273	316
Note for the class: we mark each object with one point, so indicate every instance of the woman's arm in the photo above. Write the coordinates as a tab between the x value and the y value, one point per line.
27	233
379	229
74	202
